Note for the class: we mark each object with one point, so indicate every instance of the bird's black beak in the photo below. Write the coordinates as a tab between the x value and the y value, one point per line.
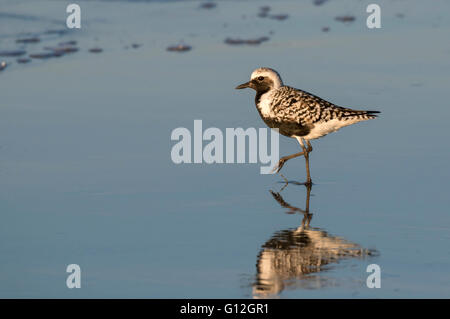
243	86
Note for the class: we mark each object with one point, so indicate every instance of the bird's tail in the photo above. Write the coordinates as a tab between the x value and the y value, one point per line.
360	115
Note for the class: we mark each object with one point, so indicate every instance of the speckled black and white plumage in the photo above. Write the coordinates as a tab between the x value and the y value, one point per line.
297	113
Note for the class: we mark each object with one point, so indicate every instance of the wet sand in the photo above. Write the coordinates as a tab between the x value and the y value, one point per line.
85	169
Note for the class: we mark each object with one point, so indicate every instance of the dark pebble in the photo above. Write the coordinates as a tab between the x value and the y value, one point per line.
264	9
279	16
179	48
234	41
136	45
208	5
325	29
62	50
67	43
255	41
96	50
319	2
345	19
28	40
46	55
12	53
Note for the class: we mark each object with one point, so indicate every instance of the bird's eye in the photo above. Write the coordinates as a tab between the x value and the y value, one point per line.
260	78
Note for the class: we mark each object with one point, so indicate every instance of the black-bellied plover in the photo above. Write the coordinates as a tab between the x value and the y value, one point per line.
298	114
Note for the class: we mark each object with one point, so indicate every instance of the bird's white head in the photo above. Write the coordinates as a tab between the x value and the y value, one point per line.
263	80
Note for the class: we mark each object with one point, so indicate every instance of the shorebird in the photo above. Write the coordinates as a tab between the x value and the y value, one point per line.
298	114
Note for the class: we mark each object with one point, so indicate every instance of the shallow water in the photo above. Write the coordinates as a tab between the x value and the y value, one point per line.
86	175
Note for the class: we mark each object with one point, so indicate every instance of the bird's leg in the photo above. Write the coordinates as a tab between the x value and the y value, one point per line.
308	174
285	159
306	151
309	146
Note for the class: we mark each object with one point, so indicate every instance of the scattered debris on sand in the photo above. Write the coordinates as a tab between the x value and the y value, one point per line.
12	53
46	55
179	48
68	43
28	40
325	29
23	60
264	12
96	50
279	17
238	41
208	5
136	45
345	18
319	2
62	49
2	65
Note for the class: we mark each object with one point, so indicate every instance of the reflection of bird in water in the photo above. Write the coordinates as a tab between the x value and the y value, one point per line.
291	257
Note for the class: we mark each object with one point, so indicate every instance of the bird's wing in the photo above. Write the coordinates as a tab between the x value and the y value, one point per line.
292	104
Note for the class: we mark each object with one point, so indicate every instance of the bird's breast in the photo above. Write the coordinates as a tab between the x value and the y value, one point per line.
264	105
275	118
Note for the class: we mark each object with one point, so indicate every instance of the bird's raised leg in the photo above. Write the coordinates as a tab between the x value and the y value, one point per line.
306	151
285	159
